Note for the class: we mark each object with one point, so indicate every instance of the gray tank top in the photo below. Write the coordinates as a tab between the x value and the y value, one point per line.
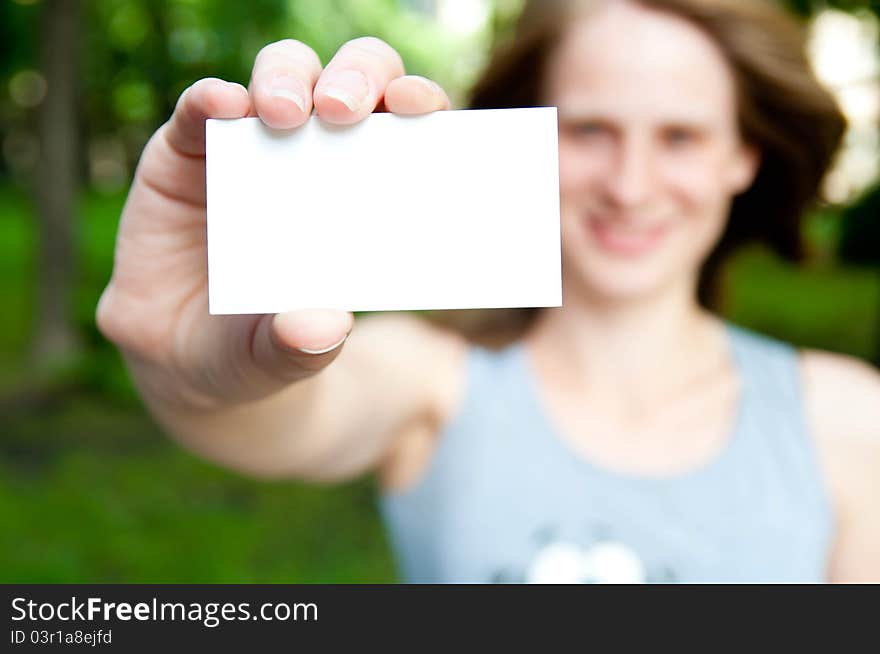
505	500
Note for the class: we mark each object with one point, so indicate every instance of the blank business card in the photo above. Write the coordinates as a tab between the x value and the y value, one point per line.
450	210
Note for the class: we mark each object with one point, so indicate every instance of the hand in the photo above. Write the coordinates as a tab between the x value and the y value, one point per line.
155	307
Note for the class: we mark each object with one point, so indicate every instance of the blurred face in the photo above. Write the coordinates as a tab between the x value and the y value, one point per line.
649	151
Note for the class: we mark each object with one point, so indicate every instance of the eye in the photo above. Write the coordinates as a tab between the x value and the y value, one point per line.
585	128
589	128
680	136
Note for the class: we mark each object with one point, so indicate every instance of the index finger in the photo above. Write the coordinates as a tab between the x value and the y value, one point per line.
354	81
206	98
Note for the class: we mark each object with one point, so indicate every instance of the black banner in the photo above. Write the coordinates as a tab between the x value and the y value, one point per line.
219	618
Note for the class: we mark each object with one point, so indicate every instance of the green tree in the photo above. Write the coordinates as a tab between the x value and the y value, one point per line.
55	336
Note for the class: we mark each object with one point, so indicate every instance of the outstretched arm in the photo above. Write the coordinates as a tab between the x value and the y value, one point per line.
266	394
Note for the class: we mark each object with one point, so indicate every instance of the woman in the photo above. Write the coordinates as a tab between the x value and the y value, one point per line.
629	435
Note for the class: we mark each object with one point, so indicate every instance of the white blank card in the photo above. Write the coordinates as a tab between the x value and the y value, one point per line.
450	210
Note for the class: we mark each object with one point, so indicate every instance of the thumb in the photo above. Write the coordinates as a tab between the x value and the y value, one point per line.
293	345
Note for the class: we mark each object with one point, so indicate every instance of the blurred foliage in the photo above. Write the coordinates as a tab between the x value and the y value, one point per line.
810	7
860	237
139	55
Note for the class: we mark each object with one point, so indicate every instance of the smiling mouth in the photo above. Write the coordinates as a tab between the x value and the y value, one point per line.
620	238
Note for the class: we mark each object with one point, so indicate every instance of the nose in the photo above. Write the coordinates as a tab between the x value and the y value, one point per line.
631	175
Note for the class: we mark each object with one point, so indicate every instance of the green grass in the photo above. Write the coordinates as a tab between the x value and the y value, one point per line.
92	491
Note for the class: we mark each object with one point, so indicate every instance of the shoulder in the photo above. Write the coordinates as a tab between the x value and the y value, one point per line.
842	398
842	404
841	394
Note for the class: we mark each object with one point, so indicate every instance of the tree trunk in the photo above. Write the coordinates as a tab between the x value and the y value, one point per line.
55	336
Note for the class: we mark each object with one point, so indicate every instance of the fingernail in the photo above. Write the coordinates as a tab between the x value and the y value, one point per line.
325	350
288	88
350	87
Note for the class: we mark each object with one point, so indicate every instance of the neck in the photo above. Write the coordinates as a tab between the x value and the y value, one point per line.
631	345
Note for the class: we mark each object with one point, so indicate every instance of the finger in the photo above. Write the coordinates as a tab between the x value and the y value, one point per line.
296	344
207	98
282	81
354	81
412	94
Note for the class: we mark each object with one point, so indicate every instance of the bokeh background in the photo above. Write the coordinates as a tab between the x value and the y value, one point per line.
90	489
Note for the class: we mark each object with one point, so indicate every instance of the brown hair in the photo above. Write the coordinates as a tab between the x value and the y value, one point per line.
782	110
